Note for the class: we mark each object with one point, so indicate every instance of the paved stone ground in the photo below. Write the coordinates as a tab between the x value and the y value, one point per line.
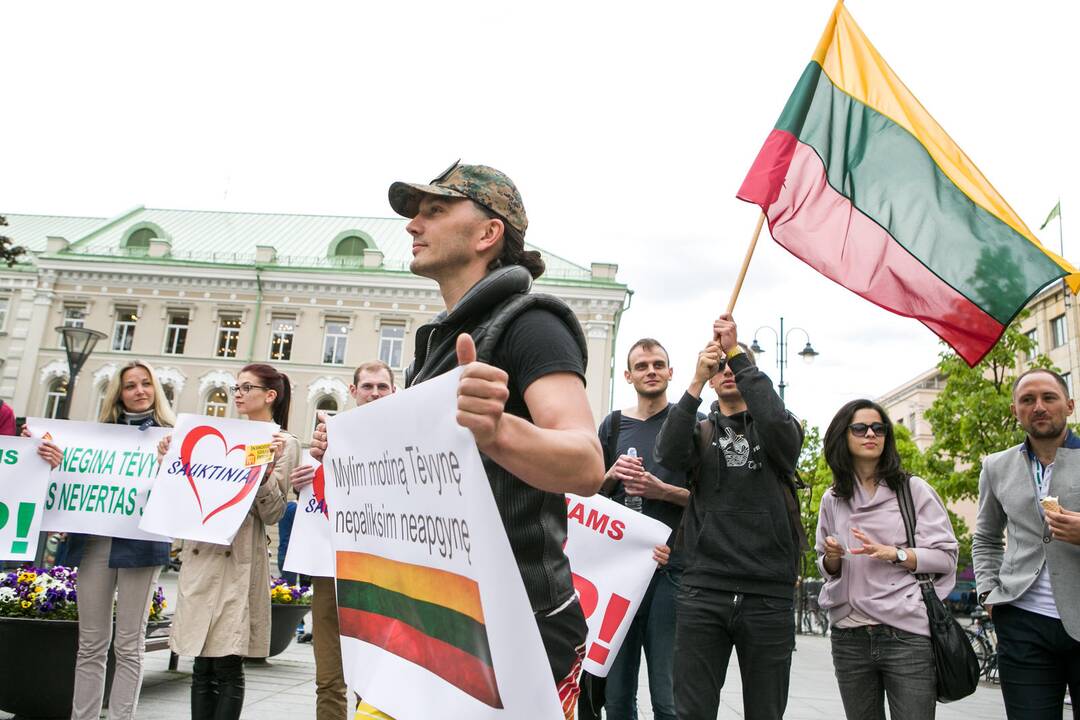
284	687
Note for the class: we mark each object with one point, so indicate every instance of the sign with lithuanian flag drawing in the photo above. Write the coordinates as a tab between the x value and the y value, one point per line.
860	182
433	615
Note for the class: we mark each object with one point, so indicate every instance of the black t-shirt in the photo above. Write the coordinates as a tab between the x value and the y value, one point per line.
641	434
536	344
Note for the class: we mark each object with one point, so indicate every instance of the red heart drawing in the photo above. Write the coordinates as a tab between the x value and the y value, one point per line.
318	487
190	441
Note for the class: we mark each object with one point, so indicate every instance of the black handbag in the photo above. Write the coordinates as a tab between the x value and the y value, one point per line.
954	659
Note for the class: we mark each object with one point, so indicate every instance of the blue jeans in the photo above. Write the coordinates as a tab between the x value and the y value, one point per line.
709	625
654	629
877	661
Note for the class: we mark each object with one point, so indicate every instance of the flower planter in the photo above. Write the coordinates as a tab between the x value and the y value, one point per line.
37	666
39	677
283	621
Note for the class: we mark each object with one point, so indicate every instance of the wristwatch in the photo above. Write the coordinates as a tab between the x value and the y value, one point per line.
901	556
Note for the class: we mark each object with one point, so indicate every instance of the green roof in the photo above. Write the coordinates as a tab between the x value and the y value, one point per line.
30	231
300	241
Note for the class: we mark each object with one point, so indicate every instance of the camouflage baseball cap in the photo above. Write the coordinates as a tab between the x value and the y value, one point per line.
483	185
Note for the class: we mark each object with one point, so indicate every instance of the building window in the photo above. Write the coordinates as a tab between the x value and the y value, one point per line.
228	336
74	316
326	405
176	333
391	342
281	337
124	330
1067	377
170	393
337	335
5	304
217	403
911	423
140	239
100	404
1033	336
1058	331
350	249
56	399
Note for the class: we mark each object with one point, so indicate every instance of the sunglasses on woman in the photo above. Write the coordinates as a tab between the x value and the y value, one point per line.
859	429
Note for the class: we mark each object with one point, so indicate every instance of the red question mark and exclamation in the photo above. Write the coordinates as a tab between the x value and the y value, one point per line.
614	614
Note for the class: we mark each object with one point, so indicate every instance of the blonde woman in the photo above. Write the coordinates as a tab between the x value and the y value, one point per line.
117	570
223	612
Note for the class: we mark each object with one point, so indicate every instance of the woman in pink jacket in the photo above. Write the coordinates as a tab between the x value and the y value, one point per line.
880	634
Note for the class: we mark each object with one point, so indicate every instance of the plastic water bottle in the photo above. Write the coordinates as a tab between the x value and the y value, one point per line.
634	502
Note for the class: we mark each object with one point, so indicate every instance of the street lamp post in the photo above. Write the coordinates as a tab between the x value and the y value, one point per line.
79	342
808	353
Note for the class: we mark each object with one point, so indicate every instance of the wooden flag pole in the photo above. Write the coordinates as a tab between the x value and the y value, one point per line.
745	263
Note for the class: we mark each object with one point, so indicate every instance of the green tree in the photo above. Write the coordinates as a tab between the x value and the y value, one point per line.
815	474
971	417
8	253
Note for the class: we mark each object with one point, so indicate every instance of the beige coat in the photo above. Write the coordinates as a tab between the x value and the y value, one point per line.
223	607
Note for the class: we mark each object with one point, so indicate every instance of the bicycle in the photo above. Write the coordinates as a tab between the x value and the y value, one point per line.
983	638
815	619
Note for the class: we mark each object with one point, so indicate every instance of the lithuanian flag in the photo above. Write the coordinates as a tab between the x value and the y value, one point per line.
430	617
859	182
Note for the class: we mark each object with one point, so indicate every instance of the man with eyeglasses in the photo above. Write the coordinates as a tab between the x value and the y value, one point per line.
1031	584
522	396
371	381
740	536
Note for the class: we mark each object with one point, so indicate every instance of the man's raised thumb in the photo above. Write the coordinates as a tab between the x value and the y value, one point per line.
466	349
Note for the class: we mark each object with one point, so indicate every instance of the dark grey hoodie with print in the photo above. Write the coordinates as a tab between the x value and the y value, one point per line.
737	534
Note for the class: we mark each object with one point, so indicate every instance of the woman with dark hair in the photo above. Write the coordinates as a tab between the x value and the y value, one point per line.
223	612
880	633
116	573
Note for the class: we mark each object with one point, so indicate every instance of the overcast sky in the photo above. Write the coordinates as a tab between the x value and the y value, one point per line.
627	126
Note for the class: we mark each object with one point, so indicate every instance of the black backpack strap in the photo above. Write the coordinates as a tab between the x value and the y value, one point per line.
612	446
792	484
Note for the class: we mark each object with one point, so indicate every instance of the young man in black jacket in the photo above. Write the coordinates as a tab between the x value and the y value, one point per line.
738	539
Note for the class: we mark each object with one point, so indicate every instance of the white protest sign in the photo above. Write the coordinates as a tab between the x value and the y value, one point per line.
610	549
432	610
310	551
208	479
102	484
24	477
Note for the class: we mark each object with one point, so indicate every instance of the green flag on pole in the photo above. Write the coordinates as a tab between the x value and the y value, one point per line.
1053	214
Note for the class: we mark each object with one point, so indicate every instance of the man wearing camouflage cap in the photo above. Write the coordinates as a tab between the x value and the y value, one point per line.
524	399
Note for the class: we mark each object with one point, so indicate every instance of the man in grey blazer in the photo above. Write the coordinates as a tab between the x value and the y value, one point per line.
1031	585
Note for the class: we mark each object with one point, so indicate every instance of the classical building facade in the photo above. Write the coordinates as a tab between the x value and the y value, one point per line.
200	294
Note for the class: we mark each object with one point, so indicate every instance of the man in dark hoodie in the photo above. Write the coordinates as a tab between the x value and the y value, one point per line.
738	538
